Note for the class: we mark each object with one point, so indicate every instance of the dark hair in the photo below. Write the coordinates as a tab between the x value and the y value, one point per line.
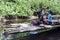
40	10
50	12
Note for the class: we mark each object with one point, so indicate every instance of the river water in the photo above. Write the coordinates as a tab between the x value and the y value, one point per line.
49	35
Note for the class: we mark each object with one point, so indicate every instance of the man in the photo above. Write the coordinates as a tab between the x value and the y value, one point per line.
48	19
40	18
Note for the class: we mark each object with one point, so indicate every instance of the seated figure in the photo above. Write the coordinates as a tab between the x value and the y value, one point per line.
48	19
40	18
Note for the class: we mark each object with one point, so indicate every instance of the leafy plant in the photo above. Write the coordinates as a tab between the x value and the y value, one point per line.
27	7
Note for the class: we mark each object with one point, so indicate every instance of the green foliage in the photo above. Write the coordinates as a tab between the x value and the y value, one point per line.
26	7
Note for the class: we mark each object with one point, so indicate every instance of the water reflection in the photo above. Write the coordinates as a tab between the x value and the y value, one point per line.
0	35
8	37
4	37
50	35
33	32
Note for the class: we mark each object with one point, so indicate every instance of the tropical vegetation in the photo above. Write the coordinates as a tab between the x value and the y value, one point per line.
27	7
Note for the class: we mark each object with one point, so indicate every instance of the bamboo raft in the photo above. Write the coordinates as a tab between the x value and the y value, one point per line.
20	27
28	28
